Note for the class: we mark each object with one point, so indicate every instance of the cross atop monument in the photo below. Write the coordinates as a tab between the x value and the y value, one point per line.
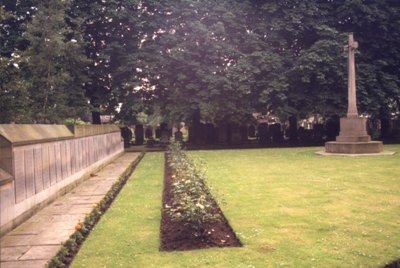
352	101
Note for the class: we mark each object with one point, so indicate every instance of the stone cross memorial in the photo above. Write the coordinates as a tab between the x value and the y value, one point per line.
352	100
353	137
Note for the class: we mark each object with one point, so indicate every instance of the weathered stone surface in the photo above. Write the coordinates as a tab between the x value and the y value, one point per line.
40	253
352	99
354	147
12	253
51	237
76	155
353	129
64	160
29	173
21	134
69	158
58	163
66	218
85	156
73	157
90	152
5	177
92	130
24	264
6	155
80	209
45	167
7	197
30	228
16	240
52	164
38	164
20	189
353	137
43	233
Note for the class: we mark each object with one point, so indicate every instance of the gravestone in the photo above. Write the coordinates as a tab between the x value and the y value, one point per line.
252	131
332	128
244	134
234	134
353	137
263	137
222	133
139	137
178	136
318	132
149	133
276	133
165	134
158	133
292	130
164	140
126	134
305	135
201	134
210	133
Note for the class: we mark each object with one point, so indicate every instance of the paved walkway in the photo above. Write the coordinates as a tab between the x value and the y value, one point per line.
36	241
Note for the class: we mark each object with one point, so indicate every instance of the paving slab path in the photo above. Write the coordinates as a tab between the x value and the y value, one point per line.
36	241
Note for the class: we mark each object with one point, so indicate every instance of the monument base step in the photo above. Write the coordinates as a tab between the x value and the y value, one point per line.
354	147
342	138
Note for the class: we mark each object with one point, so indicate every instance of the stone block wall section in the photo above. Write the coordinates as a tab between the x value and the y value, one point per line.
40	162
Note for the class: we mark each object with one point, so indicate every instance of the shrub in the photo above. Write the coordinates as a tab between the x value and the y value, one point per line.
55	262
71	245
62	257
192	201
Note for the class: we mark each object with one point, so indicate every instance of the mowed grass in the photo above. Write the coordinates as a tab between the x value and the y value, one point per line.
289	207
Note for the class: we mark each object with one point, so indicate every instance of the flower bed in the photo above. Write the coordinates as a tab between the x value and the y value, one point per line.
191	217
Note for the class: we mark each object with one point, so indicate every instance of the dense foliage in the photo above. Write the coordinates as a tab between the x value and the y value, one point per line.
215	61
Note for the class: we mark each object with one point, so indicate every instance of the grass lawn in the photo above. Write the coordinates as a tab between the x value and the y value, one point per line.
289	207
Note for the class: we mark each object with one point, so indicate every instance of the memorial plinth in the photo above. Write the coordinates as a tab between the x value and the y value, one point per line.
353	137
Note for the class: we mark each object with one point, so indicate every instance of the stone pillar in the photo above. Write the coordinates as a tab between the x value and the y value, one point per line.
352	99
353	137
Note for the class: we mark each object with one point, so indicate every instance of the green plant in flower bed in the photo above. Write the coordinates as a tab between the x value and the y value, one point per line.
192	201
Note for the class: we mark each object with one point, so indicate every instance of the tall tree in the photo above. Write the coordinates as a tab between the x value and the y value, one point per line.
55	65
14	17
188	58
14	96
309	54
111	31
376	26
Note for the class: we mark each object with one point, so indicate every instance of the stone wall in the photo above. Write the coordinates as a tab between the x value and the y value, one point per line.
40	162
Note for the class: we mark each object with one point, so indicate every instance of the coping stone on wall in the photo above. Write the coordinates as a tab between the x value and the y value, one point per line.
24	134
92	130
